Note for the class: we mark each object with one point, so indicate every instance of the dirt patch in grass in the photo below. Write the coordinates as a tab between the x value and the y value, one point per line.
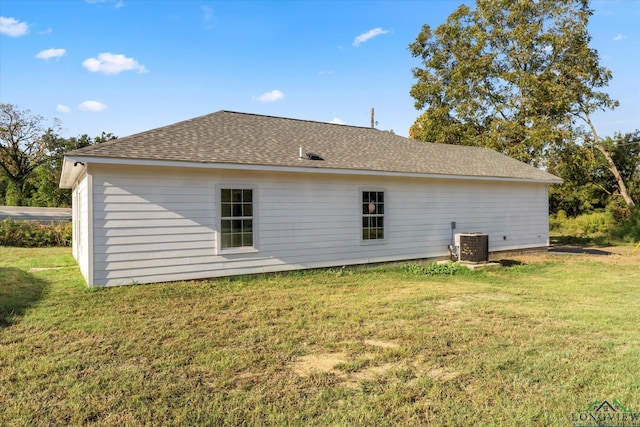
451	304
441	374
343	367
313	363
340	362
353	380
381	344
334	363
463	300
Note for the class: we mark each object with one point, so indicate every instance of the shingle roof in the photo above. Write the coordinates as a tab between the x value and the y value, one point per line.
227	137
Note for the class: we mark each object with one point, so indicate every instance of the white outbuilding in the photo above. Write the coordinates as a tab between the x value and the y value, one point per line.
233	193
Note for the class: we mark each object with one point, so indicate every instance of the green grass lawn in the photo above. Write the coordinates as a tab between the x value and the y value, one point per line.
526	344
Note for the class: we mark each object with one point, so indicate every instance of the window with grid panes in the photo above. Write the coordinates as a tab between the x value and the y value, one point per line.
236	218
372	215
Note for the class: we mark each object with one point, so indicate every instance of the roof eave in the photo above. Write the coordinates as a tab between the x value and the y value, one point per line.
70	161
72	169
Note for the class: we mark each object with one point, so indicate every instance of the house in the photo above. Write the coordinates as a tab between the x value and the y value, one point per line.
232	193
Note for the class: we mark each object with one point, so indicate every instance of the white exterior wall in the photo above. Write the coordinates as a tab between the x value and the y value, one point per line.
160	224
81	224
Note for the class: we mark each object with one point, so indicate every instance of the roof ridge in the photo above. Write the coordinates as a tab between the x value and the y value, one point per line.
193	119
170	125
296	120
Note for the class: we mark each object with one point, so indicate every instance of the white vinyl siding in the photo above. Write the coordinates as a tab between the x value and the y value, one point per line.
154	224
75	221
81	226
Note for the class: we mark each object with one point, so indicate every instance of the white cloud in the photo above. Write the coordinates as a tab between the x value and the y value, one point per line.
207	13
369	35
109	63
92	106
12	27
274	95
619	37
51	53
118	3
337	121
62	109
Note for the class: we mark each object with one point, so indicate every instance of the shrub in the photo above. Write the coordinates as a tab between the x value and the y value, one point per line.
619	210
32	234
588	225
617	222
435	268
630	229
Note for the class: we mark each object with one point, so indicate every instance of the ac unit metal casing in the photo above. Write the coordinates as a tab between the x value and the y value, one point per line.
472	247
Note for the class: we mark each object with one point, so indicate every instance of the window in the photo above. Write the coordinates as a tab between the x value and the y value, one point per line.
372	215
236	218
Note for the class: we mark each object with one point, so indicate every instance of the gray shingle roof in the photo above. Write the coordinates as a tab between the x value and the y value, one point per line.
248	139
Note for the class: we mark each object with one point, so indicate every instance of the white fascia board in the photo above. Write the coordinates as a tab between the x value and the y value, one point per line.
71	170
297	169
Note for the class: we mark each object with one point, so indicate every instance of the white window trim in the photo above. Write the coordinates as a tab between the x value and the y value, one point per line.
218	208
384	240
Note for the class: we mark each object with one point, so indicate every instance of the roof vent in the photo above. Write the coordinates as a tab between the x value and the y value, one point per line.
309	156
313	156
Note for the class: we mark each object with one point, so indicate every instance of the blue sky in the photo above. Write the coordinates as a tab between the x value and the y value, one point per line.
125	66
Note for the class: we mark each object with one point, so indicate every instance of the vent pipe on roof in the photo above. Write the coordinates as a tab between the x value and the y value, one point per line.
300	156
372	119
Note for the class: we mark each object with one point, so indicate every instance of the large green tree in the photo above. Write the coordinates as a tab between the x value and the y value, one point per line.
517	76
588	183
623	152
31	157
43	184
23	147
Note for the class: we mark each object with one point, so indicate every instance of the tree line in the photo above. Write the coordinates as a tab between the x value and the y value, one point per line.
31	154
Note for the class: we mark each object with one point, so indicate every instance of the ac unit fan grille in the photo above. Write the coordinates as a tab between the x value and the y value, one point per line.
474	247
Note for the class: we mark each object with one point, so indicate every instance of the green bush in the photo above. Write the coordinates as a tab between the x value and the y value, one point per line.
629	230
588	225
32	234
435	268
617	222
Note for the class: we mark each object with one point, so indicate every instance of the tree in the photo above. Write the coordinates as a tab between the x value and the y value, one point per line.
623	152
23	146
512	75
584	188
4	185
46	177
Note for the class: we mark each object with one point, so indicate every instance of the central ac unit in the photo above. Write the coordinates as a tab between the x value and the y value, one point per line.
472	247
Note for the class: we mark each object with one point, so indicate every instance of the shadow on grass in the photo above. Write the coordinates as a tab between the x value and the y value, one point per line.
579	241
509	263
579	245
578	250
19	290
